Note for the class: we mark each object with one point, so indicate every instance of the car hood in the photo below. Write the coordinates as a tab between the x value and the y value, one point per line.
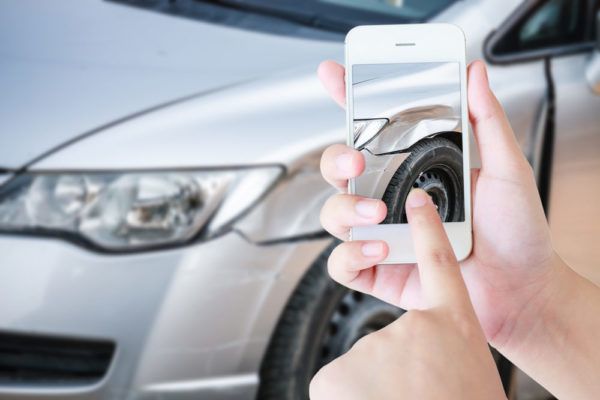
72	67
275	120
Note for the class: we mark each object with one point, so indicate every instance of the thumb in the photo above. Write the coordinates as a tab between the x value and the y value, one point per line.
500	153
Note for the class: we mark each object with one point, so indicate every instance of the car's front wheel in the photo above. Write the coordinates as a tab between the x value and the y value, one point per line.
321	321
434	165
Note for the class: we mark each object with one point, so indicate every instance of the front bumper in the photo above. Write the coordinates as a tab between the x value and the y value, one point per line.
193	321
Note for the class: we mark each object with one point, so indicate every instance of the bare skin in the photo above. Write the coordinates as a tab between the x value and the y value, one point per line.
518	285
410	358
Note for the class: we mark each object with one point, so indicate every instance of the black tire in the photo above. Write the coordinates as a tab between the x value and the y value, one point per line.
321	321
436	166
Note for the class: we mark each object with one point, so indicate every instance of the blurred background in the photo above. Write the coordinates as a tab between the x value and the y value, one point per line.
160	186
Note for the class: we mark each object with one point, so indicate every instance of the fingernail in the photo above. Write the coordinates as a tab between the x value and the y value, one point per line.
372	249
417	198
344	162
367	208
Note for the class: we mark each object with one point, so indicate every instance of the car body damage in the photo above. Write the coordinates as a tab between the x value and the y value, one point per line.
392	112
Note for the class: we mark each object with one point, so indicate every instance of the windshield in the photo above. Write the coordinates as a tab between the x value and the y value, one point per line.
414	9
342	15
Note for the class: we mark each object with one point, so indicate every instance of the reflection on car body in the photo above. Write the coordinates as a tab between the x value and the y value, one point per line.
404	129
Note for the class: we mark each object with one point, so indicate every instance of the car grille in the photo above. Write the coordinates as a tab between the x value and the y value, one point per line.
28	359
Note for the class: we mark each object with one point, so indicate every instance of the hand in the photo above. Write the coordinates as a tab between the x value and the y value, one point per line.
513	261
438	353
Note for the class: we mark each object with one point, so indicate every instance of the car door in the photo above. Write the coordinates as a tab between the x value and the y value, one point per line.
575	181
566	149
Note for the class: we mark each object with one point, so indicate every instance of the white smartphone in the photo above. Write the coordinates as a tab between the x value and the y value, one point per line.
406	91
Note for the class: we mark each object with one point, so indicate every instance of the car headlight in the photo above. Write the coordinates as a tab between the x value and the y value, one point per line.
132	210
365	130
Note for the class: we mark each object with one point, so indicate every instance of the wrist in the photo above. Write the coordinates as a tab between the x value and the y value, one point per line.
530	320
554	337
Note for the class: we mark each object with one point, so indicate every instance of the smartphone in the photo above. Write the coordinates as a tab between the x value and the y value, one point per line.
406	91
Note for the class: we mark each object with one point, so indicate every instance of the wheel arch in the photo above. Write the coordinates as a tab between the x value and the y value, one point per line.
380	178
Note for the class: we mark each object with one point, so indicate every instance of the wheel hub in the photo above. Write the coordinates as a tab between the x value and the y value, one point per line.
357	315
435	183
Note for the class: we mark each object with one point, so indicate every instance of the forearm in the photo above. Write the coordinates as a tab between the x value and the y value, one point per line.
555	340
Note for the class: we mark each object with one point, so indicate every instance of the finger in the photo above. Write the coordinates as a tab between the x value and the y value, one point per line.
500	152
332	77
348	259
340	163
441	280
342	211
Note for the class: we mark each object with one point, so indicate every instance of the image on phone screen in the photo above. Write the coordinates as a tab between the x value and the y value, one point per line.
407	124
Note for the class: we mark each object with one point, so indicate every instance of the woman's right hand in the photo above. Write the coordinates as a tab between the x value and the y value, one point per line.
510	271
532	307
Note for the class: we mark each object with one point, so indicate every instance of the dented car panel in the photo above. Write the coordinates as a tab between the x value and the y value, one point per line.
393	112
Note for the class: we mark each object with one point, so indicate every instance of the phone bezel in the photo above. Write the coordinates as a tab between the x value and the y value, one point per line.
412	43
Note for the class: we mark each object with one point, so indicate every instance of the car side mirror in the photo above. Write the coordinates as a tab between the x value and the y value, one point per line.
592	72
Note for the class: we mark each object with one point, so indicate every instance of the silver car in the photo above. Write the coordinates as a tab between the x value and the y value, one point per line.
160	186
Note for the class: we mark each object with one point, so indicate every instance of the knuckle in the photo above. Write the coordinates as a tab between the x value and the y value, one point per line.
527	170
465	324
521	166
329	205
371	344
320	383
330	213
336	260
332	264
526	167
417	219
422	218
326	222
382	210
363	344
418	316
344	262
323	166
322	216
374	346
442	256
325	218
415	323
399	327
329	379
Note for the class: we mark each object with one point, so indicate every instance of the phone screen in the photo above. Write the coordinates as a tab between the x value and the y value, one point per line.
407	124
